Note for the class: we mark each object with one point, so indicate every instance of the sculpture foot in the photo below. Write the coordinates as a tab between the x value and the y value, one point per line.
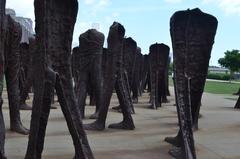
152	106
195	127
25	106
177	153
3	157
122	125
237	93
175	141
95	126
53	107
135	100
19	128
76	157
94	116
131	111
116	108
165	101
119	110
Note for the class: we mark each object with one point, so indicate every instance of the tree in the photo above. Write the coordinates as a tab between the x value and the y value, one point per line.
231	60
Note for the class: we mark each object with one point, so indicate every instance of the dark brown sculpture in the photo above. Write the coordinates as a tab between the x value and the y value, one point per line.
145	72
237	105
12	40
136	76
113	75
28	75
2	126
147	82
55	21
92	100
141	74
158	59
237	93
167	80
192	33
24	49
89	68
130	48
74	65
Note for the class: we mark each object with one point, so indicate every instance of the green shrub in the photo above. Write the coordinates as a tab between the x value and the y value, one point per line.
218	76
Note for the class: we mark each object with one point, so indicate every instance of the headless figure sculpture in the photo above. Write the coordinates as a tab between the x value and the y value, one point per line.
130	48
89	68
159	54
136	75
127	65
167	81
2	125
113	75
192	33
140	63
12	40
55	21
10	36
146	72
29	76
24	49
142	75
74	65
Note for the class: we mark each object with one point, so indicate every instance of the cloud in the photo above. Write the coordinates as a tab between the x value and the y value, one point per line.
96	5
139	9
22	8
89	2
228	6
80	28
103	3
173	1
115	14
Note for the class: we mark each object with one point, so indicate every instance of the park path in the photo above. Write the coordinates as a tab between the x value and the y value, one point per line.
236	82
218	137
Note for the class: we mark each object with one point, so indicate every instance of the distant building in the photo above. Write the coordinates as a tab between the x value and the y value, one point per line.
221	70
11	12
27	28
26	24
214	69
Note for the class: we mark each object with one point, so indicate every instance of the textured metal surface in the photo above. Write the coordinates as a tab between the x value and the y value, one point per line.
2	126
11	70
54	30
192	33
28	71
158	60
113	76
237	105
89	67
129	61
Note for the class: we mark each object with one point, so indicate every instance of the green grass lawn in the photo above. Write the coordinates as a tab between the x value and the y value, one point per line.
221	87
218	87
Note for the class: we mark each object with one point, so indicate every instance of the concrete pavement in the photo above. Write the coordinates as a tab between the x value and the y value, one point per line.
218	137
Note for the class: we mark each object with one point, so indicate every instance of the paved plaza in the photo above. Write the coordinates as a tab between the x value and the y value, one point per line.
217	138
